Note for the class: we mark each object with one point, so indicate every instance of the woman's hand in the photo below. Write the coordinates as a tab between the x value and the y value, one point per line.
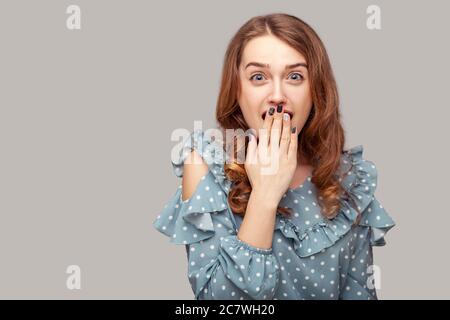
271	163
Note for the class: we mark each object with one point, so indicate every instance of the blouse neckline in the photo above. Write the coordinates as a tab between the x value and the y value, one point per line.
301	186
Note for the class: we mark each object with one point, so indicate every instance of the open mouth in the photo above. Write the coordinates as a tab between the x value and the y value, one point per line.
291	114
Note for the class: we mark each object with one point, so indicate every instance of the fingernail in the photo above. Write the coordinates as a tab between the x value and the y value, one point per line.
279	108
252	132
271	110
294	129
286	116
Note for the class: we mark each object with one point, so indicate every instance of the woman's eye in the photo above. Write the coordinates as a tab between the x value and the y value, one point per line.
300	75
257	74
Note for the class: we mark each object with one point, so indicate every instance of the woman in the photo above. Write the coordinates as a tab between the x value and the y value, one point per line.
304	228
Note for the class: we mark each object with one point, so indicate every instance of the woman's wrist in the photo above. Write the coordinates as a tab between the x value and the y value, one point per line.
265	199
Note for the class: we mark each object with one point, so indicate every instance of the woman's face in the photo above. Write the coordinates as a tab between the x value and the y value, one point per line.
265	86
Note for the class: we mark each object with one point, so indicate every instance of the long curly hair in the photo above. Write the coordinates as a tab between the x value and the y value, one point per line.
321	140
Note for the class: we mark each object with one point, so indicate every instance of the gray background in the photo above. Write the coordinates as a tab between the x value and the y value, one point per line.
86	118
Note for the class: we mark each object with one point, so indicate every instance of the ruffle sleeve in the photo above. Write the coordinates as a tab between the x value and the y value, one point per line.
190	220
220	266
360	183
211	151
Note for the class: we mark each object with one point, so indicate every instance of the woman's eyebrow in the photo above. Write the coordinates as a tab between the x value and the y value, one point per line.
265	65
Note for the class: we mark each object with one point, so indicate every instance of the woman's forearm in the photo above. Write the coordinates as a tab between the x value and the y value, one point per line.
259	221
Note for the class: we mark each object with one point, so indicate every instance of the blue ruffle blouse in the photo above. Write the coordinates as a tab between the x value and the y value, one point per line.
311	257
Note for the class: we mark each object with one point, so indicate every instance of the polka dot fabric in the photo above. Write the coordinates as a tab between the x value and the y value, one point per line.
311	257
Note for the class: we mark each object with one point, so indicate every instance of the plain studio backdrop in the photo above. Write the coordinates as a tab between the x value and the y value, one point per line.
86	117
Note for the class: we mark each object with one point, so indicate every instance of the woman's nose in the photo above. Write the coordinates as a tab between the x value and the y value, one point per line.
277	96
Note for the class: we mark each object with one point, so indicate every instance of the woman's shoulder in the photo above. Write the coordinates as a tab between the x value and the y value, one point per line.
360	181
191	220
358	175
209	150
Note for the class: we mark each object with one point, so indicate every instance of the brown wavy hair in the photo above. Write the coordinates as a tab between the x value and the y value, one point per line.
321	140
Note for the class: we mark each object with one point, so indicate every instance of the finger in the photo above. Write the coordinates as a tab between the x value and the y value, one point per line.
264	133
292	151
275	131
285	134
251	148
